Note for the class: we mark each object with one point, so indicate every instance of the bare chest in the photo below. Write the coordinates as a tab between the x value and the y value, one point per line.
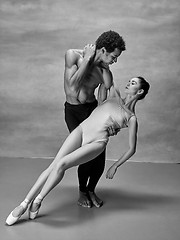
93	77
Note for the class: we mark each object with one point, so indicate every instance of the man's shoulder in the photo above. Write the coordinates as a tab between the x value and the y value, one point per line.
74	52
73	55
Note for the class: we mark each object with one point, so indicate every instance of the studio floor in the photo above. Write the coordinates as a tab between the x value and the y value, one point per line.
142	202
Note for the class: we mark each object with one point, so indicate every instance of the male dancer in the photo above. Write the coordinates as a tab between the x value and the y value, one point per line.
85	70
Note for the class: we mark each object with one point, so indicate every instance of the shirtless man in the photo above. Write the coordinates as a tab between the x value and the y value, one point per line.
85	70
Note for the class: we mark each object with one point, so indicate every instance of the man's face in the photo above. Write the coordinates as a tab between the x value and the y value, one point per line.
110	58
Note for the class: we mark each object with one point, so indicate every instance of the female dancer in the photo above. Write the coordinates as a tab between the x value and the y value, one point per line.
86	142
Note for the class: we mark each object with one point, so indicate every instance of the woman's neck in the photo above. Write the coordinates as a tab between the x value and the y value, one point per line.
130	102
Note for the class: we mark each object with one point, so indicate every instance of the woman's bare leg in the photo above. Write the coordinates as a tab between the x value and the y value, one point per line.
72	142
77	157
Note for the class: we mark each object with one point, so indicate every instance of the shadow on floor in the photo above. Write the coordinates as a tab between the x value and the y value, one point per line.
65	213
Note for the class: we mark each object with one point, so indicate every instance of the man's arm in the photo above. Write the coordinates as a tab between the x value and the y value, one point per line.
109	86
102	93
104	90
73	74
105	87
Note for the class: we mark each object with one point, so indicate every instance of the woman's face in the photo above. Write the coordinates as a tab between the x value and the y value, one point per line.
133	86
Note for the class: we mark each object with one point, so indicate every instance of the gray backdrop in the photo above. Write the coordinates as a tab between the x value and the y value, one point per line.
34	35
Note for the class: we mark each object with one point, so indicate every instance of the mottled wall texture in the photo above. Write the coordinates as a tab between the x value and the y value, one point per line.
34	35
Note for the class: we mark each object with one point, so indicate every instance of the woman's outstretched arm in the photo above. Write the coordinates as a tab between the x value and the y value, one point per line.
131	151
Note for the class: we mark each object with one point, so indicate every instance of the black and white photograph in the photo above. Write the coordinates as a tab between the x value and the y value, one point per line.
89	120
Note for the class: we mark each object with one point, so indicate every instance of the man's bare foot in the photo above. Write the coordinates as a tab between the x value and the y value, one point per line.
84	200
97	202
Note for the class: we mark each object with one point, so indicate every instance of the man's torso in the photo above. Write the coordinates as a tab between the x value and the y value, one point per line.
86	91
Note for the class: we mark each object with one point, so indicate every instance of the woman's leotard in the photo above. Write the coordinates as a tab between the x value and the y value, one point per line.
110	113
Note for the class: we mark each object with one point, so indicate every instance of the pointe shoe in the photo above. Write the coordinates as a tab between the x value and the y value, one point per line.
33	215
11	219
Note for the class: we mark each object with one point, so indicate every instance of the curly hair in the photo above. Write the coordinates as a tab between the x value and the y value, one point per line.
110	40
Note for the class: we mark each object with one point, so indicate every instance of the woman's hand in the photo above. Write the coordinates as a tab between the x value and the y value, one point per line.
111	171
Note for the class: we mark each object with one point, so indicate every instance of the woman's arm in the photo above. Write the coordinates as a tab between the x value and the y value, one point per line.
133	127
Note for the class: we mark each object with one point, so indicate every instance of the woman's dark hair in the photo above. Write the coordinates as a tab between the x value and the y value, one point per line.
110	40
145	86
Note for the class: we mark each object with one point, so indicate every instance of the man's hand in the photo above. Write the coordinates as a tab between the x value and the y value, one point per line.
89	51
112	131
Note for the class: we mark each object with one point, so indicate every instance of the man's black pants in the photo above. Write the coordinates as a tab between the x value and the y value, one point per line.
92	170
